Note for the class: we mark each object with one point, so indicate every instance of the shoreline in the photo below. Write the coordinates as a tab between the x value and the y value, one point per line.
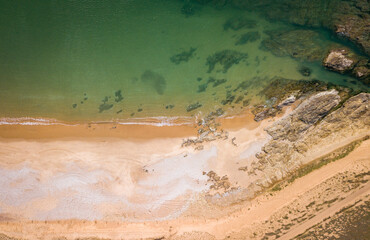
125	161
146	129
143	181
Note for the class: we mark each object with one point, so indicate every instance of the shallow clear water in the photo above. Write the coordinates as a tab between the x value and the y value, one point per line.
61	59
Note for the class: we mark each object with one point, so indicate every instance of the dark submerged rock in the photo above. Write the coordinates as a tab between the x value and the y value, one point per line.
202	87
248	37
239	23
304	71
193	106
226	58
229	98
155	80
246	102
105	105
184	56
217	82
188	9
301	44
118	96
243	85
239	99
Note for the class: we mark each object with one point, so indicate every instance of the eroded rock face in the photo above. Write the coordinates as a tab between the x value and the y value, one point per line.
339	60
283	92
307	114
309	129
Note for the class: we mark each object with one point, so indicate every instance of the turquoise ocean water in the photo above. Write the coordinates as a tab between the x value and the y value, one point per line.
121	60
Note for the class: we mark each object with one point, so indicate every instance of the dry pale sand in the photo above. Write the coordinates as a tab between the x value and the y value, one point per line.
110	172
132	182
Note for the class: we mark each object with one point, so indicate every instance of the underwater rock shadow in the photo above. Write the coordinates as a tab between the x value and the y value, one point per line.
155	80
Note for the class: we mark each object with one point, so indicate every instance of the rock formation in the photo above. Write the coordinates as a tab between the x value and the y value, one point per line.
300	44
344	61
309	129
339	60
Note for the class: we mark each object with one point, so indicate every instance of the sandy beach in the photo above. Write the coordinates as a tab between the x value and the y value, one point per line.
138	170
248	217
111	181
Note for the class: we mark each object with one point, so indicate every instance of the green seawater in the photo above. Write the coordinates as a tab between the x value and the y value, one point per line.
111	60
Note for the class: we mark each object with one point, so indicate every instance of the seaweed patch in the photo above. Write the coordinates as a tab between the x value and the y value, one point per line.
184	56
304	71
105	105
155	80
239	23
170	106
193	106
226	58
248	37
118	96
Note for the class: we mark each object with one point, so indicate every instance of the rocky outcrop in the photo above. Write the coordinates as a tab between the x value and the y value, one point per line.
344	61
362	71
339	60
283	92
312	127
307	114
354	25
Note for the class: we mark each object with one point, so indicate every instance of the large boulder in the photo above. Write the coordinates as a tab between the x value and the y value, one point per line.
340	60
344	61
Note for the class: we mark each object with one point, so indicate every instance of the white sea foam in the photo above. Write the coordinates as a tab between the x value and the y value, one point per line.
158	121
150	121
30	121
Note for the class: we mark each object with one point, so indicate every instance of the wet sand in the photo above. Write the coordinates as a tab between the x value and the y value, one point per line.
116	130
